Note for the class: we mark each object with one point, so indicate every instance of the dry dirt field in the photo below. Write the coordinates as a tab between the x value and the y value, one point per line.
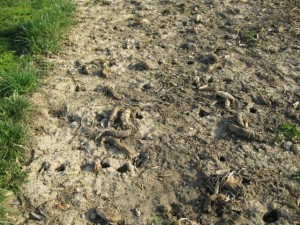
169	109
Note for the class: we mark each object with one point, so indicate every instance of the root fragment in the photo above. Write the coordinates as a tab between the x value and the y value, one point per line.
97	167
227	104
125	117
115	133
213	67
87	69
105	72
264	100
116	143
241	131
242	120
114	114
108	215
225	95
111	91
219	198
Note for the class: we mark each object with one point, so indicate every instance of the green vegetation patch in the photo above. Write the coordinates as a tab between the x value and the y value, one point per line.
156	220
296	177
33	26
289	132
28	29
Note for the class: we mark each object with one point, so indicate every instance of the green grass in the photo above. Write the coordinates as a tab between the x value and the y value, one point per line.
289	132
159	221
15	107
19	80
28	30
34	26
296	177
3	208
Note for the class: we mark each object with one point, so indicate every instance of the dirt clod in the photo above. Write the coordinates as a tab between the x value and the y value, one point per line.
108	215
110	90
241	131
115	133
120	146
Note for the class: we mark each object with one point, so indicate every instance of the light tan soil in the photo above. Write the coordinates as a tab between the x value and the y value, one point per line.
180	159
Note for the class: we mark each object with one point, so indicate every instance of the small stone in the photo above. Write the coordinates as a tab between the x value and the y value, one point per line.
105	72
104	123
287	145
93	216
35	216
295	148
196	80
198	18
137	213
97	167
108	215
227	104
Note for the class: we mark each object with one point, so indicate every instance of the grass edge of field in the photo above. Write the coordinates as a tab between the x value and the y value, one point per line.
19	75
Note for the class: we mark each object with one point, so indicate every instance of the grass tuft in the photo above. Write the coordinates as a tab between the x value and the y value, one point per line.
15	107
12	137
20	81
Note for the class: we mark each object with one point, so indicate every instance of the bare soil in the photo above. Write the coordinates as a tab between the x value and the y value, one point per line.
173	148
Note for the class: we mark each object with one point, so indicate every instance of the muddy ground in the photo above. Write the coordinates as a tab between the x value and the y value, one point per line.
133	123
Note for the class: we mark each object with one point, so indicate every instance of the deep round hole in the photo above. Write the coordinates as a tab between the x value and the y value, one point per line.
246	181
222	159
203	113
139	116
61	168
253	110
271	216
123	169
105	165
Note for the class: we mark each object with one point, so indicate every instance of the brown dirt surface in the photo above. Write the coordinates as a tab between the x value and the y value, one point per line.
177	73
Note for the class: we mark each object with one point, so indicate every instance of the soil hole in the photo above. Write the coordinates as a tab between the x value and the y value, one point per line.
203	113
139	116
246	181
146	87
61	168
105	165
253	110
271	216
123	169
222	159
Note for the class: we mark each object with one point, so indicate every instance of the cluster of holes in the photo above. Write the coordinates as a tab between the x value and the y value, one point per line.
123	169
